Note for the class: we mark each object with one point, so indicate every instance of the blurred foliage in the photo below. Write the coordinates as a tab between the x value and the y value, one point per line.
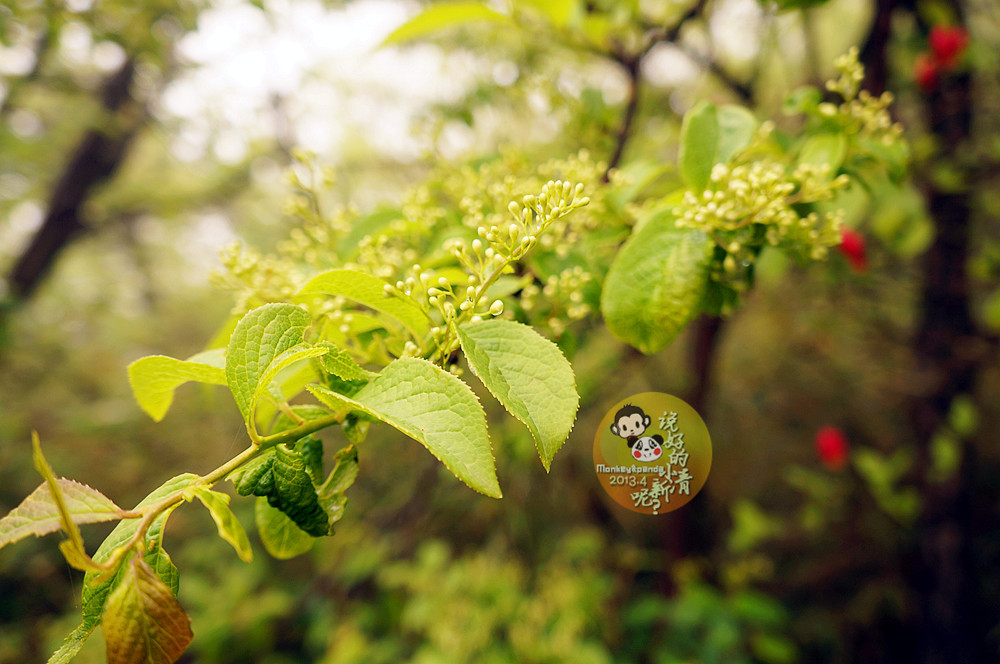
421	569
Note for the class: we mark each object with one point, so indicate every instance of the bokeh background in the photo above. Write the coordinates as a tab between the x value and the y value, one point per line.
139	139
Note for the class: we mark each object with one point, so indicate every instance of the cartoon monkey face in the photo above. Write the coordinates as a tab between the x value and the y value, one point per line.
631	425
630	421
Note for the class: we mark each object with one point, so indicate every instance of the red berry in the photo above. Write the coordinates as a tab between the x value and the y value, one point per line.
831	446
925	72
948	43
852	246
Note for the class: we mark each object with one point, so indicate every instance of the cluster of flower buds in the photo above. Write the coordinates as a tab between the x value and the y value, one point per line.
560	300
860	113
484	260
748	205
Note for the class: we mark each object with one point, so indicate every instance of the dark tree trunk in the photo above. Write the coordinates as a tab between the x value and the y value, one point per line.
94	161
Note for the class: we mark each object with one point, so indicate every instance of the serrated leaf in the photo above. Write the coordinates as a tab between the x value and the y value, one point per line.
441	16
72	644
282	360
39	515
434	408
698	145
229	526
656	284
279	534
154	379
737	127
143	622
261	335
529	375
96	589
283	480
370	291
73	549
339	362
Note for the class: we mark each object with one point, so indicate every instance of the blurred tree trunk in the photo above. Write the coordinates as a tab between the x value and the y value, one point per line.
95	159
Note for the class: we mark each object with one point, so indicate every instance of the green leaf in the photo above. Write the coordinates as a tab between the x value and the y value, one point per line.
443	15
656	284
155	378
529	375
370	291
311	449
826	148
737	127
95	586
229	527
434	408
143	622
72	644
279	534
72	548
283	480
340	363
699	145
39	515
285	359
331	493
262	335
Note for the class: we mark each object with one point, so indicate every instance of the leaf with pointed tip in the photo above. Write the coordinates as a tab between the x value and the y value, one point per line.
72	644
95	586
279	534
331	493
143	622
229	526
339	363
39	515
528	374
262	335
154	378
441	16
434	408
656	284
285	359
370	291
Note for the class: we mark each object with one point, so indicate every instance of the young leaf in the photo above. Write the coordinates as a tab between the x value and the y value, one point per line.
279	534
283	480
331	493
73	548
39	515
287	358
261	335
96	586
824	149
737	126
370	291
229	527
434	408
72	644
529	375
443	15
339	363
143	622
155	378
656	284
699	145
